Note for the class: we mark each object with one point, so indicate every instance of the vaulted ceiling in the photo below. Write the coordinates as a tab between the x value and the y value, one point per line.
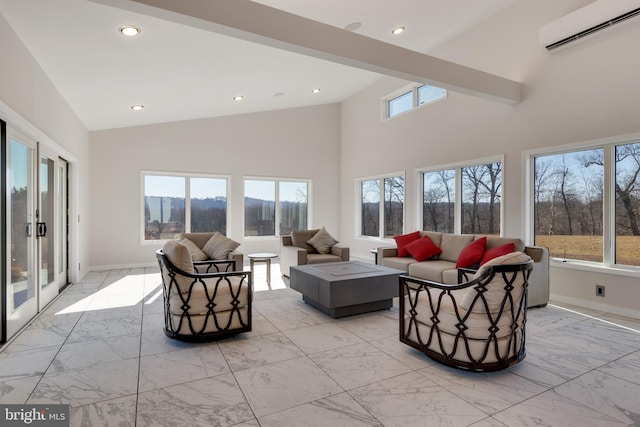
180	70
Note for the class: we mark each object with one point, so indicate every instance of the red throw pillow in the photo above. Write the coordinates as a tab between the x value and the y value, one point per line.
405	239
497	251
472	253
423	248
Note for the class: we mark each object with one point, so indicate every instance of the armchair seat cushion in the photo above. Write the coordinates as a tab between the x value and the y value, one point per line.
197	303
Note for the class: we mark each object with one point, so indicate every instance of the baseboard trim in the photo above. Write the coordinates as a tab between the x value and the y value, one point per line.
635	314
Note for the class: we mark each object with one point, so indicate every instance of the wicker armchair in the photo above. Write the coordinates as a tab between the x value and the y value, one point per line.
477	325
203	306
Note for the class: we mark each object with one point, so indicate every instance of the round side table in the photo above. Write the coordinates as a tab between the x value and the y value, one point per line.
265	257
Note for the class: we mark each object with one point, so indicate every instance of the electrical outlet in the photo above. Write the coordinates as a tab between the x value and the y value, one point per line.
599	291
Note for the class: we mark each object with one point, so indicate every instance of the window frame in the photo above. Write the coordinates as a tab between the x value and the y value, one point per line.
457	168
608	203
276	181
413	89
187	210
381	219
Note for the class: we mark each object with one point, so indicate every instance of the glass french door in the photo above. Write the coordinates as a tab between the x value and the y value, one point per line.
31	275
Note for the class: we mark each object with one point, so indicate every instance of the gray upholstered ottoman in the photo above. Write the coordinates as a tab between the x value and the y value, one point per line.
345	288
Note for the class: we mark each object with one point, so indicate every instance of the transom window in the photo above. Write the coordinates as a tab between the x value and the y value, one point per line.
266	199
411	98
381	202
175	204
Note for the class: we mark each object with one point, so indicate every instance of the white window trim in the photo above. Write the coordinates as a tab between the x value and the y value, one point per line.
457	167
358	203
608	226
413	88
277	180
187	224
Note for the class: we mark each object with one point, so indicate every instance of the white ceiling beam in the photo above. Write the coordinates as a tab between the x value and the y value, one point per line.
255	22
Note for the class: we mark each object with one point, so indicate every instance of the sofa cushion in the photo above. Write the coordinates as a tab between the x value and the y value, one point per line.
497	252
196	252
431	269
321	258
422	249
219	246
495	293
405	239
178	255
435	236
399	263
452	245
495	241
299	238
322	241
472	253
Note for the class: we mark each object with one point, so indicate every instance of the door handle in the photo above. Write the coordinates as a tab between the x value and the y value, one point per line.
42	229
27	230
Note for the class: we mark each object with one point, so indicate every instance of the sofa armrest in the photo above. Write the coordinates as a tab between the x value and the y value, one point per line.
291	256
340	251
238	257
389	251
539	279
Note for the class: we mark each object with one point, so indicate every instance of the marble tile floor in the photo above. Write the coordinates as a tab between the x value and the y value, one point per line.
100	348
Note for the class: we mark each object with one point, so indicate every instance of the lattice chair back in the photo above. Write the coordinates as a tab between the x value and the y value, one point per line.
203	307
477	325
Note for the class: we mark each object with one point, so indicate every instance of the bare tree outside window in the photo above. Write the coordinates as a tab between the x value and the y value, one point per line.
370	211
568	204
481	189
438	201
393	206
627	217
292	199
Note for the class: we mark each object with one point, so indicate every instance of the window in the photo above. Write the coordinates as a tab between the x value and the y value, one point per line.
627	205
268	199
570	198
175	204
411	98
471	193
438	200
382	202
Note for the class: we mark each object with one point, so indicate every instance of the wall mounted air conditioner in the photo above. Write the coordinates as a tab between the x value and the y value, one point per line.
587	21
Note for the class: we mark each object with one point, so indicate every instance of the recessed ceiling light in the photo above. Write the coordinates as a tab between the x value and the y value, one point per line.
397	30
353	26
316	90
137	107
238	98
129	30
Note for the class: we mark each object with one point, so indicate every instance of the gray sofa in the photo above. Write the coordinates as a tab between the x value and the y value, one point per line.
442	268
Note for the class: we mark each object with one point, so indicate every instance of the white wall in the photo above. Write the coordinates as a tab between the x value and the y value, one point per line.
587	92
30	102
295	143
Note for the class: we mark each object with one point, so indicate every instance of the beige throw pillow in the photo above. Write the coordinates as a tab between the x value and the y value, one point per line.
178	255
322	241
299	238
196	252
219	246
